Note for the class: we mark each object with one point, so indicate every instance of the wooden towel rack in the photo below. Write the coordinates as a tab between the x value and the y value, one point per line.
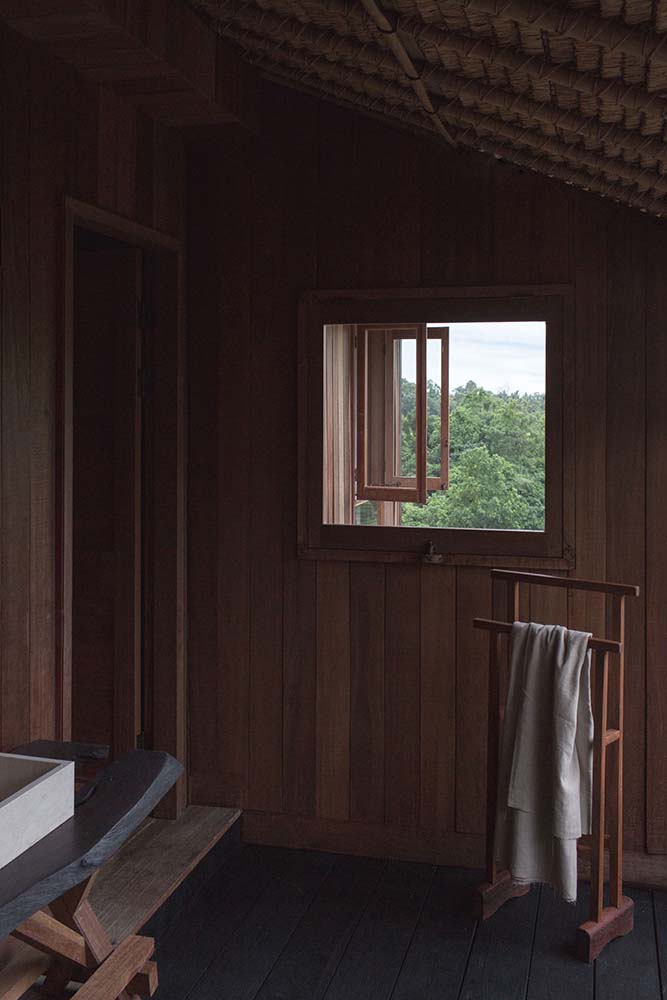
605	922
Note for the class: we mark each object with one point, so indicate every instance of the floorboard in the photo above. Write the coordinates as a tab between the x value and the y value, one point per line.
499	964
314	951
437	957
372	961
262	923
660	915
239	970
554	970
211	918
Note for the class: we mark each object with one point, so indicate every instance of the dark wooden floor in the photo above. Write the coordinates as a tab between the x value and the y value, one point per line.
295	925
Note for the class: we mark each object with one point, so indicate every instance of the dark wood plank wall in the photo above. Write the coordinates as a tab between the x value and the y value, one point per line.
60	136
343	705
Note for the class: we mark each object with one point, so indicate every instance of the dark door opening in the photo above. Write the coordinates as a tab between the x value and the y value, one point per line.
107	497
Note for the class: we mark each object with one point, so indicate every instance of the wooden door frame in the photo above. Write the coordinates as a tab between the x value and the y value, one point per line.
168	562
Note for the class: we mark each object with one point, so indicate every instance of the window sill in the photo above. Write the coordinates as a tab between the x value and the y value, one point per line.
566	562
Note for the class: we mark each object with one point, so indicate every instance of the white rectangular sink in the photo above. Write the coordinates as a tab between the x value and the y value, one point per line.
36	796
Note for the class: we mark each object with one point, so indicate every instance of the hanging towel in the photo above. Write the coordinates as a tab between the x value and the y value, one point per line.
546	759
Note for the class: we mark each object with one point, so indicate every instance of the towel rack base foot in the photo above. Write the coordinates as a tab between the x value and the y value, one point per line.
594	935
490	896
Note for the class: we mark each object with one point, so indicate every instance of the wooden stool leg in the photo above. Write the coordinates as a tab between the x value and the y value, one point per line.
83	952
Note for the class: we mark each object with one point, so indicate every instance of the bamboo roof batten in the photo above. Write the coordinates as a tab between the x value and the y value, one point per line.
577	94
392	39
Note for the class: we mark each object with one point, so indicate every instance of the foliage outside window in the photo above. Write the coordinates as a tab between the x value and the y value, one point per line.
424	455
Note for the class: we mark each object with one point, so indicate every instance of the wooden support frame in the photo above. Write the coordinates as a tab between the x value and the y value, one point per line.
166	496
605	922
70	933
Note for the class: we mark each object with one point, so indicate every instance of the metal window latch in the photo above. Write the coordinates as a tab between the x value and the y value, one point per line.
431	557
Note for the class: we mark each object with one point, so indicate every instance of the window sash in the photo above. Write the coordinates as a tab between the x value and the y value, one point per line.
415	492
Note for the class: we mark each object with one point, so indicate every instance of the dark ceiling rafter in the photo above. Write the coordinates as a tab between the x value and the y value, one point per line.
554	117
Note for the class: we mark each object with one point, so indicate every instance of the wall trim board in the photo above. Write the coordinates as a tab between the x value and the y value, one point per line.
375	840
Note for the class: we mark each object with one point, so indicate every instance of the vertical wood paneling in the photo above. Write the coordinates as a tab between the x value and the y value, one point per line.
389	208
15	403
235	196
473	600
299	611
402	694
587	611
438	697
656	548
333	691
377	675
206	687
367	748
512	204
456	219
338	226
53	145
268	450
626	496
300	666
47	168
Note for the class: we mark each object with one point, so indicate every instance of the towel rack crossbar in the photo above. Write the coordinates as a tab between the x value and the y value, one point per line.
566	582
594	643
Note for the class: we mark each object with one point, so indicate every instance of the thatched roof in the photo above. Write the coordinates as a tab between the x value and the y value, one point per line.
573	90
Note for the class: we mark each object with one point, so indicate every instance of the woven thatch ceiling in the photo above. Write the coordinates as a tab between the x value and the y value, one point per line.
574	90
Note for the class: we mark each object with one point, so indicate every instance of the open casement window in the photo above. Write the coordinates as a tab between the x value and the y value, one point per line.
392	429
447	438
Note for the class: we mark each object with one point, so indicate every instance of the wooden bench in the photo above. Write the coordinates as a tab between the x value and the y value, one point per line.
45	893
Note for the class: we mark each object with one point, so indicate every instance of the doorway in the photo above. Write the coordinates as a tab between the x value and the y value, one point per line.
107	493
121	527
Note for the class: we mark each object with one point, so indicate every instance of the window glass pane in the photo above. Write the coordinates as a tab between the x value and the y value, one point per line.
366	512
390	405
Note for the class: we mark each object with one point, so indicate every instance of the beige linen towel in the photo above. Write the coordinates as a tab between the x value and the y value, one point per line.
546	759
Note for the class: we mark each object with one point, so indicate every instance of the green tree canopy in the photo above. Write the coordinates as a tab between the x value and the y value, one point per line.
496	459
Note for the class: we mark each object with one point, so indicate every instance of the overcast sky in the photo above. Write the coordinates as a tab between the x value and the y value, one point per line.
496	356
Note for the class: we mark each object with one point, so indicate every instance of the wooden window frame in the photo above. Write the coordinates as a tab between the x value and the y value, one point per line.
405	491
552	548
